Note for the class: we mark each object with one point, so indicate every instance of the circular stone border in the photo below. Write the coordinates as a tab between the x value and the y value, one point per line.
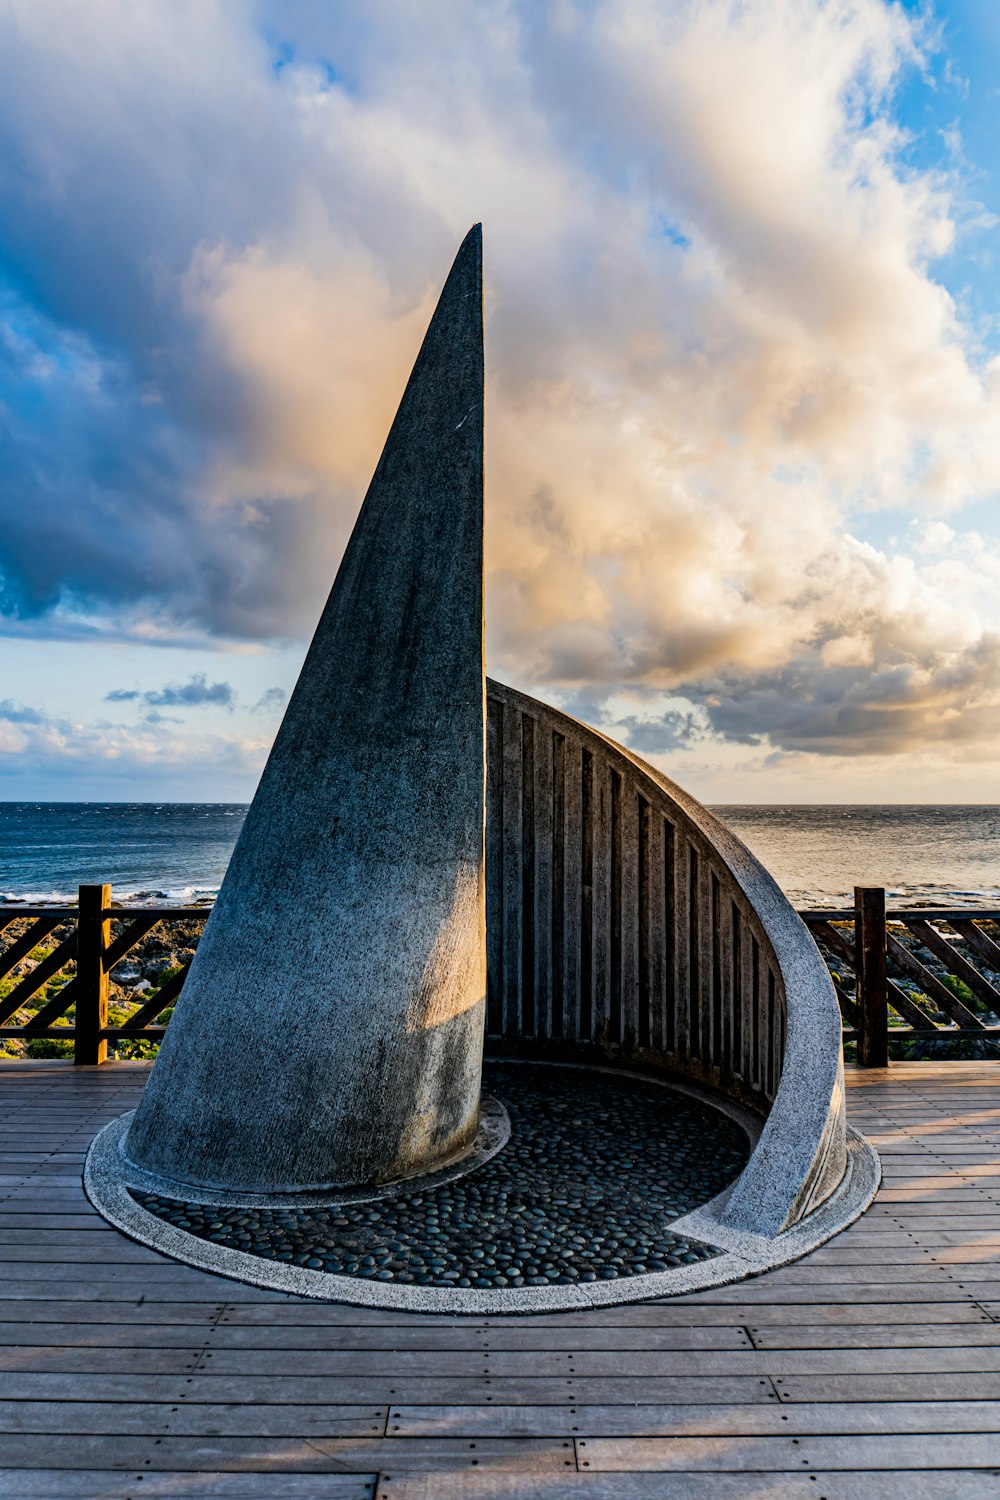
493	1135
108	1176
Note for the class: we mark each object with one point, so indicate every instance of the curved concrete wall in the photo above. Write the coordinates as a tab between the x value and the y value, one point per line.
625	921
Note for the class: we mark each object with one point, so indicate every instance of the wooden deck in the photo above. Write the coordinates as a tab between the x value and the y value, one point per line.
869	1370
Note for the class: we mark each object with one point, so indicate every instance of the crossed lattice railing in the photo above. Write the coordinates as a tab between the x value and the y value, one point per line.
900	975
911	975
62	992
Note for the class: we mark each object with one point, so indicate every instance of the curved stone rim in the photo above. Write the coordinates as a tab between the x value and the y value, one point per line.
107	1180
492	1136
800	1156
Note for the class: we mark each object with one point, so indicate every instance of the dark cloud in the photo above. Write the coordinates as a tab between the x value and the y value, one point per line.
19	713
100	344
196	693
155	717
109	522
270	700
659	736
898	705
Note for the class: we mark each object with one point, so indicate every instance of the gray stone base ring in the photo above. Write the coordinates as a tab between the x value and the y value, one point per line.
611	1188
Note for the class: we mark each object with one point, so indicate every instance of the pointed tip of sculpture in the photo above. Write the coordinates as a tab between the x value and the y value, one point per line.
471	247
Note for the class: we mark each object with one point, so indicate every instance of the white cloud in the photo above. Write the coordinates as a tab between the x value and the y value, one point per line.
714	333
39	752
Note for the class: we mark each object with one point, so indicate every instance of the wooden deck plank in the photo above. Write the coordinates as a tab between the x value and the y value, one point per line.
125	1373
475	1421
316	1454
444	1338
942	1289
920	1451
877	1335
518	1365
609	1364
930	1385
652	1315
114	1484
218	1420
711	1421
592	1485
131	1385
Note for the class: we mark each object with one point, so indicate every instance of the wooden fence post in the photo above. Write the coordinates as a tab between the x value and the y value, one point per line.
92	941
872	996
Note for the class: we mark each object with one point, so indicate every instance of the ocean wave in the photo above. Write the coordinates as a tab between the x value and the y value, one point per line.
985	897
38	898
185	896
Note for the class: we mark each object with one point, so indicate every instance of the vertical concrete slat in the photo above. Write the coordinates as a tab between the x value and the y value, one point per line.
746	1001
649	1012
632	854
755	1013
685	964
601	935
558	949
494	867
616	915
706	931
769	1033
543	879
714	1009
736	989
572	886
726	986
588	791
696	923
511	870
668	835
527	875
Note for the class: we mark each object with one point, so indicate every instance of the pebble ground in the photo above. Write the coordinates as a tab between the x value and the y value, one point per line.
596	1169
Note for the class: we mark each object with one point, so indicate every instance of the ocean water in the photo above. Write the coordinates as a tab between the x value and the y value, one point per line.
947	855
178	852
157	852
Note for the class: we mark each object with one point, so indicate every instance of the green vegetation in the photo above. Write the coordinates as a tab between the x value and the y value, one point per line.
131	1048
47	1046
962	992
165	974
943	1047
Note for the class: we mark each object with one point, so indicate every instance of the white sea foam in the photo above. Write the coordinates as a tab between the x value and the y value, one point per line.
190	896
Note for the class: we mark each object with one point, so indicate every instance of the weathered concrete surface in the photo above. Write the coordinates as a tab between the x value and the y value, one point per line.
330	1030
655	919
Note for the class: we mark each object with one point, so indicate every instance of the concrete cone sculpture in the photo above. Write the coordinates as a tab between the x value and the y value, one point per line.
330	1031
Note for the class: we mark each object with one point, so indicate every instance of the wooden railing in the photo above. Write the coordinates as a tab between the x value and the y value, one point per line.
62	992
875	972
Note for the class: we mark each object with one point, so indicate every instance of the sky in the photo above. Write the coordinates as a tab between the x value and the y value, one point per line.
743	352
